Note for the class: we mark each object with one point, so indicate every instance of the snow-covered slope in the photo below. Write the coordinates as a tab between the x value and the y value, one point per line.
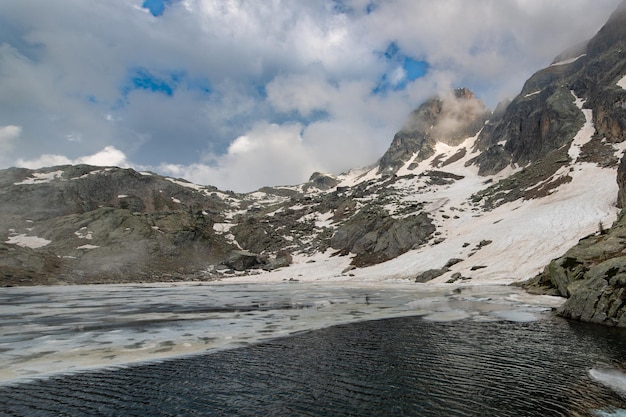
511	242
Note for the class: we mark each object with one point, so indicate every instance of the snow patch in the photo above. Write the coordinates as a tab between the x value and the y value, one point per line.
568	61
88	247
25	241
585	134
41	178
622	82
186	184
83	233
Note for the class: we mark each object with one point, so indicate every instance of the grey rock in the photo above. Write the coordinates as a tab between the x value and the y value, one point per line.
430	274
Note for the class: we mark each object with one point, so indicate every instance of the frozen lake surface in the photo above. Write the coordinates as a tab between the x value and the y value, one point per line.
45	330
298	348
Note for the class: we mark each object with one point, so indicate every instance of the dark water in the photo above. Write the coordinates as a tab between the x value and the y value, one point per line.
394	367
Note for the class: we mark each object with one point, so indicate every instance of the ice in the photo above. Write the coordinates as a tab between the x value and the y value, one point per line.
610	412
451	315
61	329
611	378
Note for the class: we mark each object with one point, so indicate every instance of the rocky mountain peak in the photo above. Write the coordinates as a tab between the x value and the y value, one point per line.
448	118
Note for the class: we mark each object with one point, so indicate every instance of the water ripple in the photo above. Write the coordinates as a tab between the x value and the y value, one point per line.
393	367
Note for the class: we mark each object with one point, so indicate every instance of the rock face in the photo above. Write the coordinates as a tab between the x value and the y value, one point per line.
592	274
543	117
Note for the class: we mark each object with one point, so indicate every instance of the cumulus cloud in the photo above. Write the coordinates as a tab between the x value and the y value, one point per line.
266	153
109	156
182	89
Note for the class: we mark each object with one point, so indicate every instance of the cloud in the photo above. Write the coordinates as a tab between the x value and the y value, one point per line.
179	83
264	155
8	136
109	156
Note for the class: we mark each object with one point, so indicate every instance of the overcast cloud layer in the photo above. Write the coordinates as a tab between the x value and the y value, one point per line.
241	94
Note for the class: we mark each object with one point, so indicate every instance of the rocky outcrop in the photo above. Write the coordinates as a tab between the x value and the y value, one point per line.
592	275
374	236
321	181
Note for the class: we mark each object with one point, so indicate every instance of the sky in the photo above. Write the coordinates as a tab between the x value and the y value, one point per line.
242	94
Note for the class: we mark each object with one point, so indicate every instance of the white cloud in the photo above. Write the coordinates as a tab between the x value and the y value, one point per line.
109	156
299	69
262	156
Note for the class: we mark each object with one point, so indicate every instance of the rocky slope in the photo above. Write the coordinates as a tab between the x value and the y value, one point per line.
461	194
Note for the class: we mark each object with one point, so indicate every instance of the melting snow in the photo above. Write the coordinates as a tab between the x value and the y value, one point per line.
622	82
525	235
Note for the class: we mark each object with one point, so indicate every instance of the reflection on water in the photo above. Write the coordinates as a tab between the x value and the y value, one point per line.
391	350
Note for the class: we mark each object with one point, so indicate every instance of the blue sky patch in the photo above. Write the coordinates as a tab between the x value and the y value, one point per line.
156	7
142	79
412	69
167	83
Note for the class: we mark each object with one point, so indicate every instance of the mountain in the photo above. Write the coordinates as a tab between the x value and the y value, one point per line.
462	194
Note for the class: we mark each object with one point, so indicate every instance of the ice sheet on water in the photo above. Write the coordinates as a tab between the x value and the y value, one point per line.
49	330
611	378
610	412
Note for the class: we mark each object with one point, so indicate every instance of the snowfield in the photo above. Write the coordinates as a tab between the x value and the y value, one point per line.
518	238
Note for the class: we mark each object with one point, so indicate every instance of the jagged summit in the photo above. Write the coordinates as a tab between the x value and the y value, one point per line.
448	119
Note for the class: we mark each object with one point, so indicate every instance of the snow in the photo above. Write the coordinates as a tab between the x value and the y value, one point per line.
175	200
586	133
525	235
568	61
83	233
25	241
88	247
186	184
357	176
622	82
41	178
532	94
